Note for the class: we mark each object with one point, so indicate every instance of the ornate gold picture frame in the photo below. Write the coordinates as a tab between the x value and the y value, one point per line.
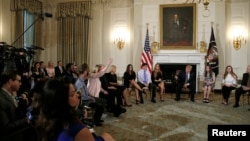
178	26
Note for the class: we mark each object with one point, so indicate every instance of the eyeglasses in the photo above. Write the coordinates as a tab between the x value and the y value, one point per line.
19	80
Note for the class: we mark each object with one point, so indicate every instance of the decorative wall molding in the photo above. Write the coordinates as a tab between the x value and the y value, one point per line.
73	9
33	6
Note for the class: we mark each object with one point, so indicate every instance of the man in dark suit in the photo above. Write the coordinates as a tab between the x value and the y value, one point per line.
59	69
12	125
44	73
186	79
22	66
245	87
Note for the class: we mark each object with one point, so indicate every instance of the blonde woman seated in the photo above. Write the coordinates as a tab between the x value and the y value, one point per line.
119	93
208	83
157	79
229	83
50	69
129	77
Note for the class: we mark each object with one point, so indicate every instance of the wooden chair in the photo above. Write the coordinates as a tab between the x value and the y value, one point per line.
147	92
186	91
243	97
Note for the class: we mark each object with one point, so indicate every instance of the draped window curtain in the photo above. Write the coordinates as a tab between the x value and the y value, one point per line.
29	35
73	32
23	15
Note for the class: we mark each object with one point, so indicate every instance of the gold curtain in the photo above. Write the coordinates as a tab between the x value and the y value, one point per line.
73	32
17	7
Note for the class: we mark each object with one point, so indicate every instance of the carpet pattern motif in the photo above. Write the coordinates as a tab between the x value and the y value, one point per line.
173	121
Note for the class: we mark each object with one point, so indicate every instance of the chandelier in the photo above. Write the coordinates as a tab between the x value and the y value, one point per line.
206	11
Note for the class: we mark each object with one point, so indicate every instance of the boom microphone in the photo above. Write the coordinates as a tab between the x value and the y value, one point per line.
49	15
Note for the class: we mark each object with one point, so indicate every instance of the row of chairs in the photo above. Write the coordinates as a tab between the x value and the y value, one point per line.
186	91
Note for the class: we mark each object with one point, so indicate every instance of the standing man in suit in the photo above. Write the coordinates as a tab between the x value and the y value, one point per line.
144	80
186	79
23	68
59	69
245	87
12	125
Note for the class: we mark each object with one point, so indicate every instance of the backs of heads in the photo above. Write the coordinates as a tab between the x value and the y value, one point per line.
54	99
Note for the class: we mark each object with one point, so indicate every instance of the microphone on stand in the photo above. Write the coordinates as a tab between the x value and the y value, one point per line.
41	15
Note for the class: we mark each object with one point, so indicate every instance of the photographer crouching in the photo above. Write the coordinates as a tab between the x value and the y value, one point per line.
14	124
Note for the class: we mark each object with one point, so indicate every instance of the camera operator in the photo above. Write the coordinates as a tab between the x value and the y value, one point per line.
13	125
22	67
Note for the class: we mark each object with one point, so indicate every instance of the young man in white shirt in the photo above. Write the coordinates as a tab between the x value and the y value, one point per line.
144	80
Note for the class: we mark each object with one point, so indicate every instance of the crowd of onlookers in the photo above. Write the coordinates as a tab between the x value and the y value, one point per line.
52	102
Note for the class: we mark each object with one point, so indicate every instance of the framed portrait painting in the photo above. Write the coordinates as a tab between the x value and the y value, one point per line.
178	26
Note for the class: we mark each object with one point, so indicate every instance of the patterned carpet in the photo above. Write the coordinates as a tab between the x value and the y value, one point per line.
173	121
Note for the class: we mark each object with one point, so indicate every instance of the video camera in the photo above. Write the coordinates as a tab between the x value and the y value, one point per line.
8	52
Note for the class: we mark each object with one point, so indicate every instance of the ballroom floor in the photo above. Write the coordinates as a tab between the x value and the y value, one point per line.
174	121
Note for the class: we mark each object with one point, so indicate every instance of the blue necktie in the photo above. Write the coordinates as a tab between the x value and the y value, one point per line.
145	77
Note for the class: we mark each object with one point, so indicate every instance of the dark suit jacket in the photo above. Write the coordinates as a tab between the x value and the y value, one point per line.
12	127
245	79
23	67
182	77
58	72
45	73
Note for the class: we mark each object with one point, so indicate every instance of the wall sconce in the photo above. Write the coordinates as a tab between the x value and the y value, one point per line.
120	42
155	46
237	41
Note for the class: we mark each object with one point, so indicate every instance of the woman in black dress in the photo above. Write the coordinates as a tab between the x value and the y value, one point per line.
130	82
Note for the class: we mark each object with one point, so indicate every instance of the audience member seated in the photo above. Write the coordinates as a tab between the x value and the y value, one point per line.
69	72
129	81
120	89
208	83
94	83
50	69
58	119
110	93
13	125
87	99
43	71
229	83
245	87
75	71
36	74
60	69
185	79
144	80
157	79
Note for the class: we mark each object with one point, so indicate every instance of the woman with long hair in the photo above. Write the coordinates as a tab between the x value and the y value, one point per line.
157	79
50	69
58	120
229	83
208	83
129	77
